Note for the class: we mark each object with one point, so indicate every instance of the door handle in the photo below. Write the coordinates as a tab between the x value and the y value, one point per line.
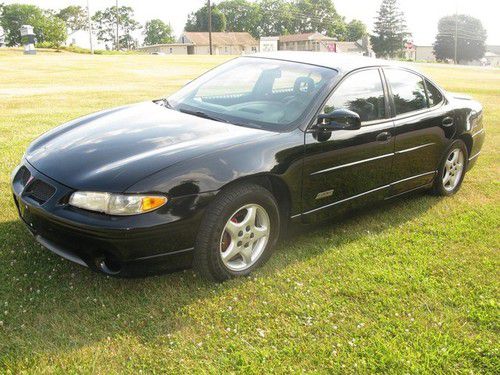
384	136
448	121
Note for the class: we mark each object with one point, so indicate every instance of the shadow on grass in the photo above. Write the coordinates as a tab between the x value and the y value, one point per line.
52	305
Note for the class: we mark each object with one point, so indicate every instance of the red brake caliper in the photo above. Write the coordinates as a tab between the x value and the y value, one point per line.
226	240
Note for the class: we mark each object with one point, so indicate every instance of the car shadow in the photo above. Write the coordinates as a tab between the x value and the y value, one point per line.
54	306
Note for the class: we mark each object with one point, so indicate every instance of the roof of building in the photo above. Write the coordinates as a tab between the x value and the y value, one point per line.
493	48
303	37
164	45
220	38
342	62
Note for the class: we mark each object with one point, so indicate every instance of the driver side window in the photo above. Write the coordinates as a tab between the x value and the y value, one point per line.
361	92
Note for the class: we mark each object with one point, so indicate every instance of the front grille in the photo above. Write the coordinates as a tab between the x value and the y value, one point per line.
23	175
40	191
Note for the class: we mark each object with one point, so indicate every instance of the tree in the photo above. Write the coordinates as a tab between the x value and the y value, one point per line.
2	32
311	16
16	15
389	34
241	15
157	32
355	30
75	17
471	38
53	31
277	18
105	25
198	21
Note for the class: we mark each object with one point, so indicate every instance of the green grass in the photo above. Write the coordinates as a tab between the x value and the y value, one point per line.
409	286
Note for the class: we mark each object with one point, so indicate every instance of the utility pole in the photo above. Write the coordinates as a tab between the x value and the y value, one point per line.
456	33
117	27
89	24
210	26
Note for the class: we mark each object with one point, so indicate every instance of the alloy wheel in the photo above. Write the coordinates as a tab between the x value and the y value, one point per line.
453	169
245	237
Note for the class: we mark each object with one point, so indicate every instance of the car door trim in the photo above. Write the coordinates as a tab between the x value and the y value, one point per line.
477	133
413	177
352	163
414	148
371	159
474	156
342	200
362	194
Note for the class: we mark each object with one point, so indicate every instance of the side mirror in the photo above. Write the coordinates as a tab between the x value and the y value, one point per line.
339	119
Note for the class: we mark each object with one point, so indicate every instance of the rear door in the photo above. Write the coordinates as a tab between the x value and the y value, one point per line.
421	122
346	167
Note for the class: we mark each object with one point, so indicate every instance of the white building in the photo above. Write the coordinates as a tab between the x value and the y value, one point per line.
320	42
198	43
269	43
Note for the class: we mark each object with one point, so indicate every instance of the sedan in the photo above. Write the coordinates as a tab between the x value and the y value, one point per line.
212	175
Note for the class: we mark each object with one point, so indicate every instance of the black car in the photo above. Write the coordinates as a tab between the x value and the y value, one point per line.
212	175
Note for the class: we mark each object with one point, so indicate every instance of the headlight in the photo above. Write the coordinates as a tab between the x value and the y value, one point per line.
116	204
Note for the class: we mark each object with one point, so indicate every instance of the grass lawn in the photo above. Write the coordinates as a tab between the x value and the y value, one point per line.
409	286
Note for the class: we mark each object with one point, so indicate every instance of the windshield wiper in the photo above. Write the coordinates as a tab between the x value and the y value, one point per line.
204	115
164	102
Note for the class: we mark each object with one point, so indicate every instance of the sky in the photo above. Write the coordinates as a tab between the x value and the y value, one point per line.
422	16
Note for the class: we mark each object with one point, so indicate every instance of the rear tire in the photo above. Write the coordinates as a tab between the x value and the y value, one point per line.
238	232
452	169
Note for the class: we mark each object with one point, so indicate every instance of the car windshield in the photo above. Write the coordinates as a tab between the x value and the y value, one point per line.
255	92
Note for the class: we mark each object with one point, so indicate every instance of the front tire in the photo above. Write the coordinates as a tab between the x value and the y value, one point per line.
238	232
452	169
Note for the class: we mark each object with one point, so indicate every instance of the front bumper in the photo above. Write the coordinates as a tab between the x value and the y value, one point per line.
158	241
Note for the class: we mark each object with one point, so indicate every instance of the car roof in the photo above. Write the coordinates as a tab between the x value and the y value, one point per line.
343	63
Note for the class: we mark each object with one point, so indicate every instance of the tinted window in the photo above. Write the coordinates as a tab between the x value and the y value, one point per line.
408	90
435	97
362	93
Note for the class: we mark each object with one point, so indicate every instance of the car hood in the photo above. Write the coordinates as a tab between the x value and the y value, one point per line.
113	149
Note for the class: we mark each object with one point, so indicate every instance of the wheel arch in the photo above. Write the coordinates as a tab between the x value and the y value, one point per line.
467	139
275	185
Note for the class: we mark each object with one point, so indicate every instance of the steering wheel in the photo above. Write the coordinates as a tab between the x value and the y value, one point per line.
293	99
287	98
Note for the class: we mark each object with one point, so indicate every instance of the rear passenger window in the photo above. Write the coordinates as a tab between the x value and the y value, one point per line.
435	96
408	90
362	93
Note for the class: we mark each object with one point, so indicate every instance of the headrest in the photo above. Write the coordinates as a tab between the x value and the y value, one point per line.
303	85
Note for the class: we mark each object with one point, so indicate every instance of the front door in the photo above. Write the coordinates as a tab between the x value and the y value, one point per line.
346	167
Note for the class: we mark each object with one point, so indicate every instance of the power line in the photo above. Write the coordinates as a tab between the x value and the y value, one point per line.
117	28
210	26
89	21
